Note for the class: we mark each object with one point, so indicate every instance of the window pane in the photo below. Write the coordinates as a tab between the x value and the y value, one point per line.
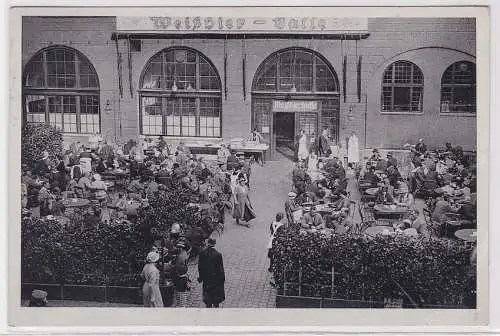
402	98
61	68
89	114
210	117
35	108
34	74
402	87
88	77
458	88
152	119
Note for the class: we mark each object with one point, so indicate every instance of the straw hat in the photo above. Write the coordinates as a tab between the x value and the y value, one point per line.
152	257
38	294
291	194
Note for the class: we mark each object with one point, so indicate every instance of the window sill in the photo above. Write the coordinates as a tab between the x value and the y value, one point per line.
454	114
177	137
402	113
80	134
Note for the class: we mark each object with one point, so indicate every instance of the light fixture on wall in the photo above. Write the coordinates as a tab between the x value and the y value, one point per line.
174	87
350	115
293	89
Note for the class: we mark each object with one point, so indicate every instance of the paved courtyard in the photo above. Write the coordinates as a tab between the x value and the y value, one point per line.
243	249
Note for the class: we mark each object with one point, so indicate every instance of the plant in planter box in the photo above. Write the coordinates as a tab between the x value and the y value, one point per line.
430	271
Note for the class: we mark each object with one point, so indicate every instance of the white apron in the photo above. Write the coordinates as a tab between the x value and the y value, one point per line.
353	149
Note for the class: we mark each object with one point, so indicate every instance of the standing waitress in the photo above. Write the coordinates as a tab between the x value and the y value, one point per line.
242	208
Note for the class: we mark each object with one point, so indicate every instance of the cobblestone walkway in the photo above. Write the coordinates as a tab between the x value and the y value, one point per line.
244	250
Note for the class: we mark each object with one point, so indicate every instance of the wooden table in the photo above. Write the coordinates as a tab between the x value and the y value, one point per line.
75	202
254	149
203	148
468	235
375	230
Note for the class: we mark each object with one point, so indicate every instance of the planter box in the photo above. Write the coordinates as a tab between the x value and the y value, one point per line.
283	301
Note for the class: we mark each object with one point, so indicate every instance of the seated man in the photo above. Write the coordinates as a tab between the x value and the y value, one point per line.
391	161
384	195
442	207
371	177
312	219
233	162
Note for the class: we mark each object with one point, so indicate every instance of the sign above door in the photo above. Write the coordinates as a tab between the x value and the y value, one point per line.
295	106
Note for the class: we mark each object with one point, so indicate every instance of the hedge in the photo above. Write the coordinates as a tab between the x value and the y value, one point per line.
88	252
37	138
430	271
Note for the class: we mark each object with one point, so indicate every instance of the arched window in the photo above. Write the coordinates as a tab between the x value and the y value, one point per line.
402	88
61	88
297	75
180	95
295	70
458	88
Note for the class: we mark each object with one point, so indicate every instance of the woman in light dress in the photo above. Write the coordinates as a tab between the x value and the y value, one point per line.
303	151
312	166
242	208
151	295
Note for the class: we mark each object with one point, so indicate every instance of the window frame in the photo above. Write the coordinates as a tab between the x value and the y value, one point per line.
452	86
275	60
165	93
49	91
411	85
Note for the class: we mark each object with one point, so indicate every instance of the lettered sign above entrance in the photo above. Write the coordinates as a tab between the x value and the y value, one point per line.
241	24
295	106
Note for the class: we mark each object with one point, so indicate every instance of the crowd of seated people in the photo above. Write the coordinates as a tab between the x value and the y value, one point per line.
444	178
118	180
319	182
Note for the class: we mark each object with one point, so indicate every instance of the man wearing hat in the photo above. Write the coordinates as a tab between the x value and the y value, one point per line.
211	274
391	161
291	206
420	147
38	298
181	277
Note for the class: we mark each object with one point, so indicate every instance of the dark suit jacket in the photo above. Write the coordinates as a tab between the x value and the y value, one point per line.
323	145
211	267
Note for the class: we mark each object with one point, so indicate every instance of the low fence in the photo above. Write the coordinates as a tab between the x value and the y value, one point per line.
98	293
283	301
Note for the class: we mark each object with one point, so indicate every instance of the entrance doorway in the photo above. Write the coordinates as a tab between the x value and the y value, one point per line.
284	131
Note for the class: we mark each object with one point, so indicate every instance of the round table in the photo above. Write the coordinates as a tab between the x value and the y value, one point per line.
371	191
468	235
109	184
390	209
375	230
75	202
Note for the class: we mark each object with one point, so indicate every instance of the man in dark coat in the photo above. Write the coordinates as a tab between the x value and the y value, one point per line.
323	146
211	274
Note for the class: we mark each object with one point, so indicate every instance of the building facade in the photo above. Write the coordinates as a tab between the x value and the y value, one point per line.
388	80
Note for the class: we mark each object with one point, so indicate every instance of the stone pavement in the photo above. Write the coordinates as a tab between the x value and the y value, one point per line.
244	250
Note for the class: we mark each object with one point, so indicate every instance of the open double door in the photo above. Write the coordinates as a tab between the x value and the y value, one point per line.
286	128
